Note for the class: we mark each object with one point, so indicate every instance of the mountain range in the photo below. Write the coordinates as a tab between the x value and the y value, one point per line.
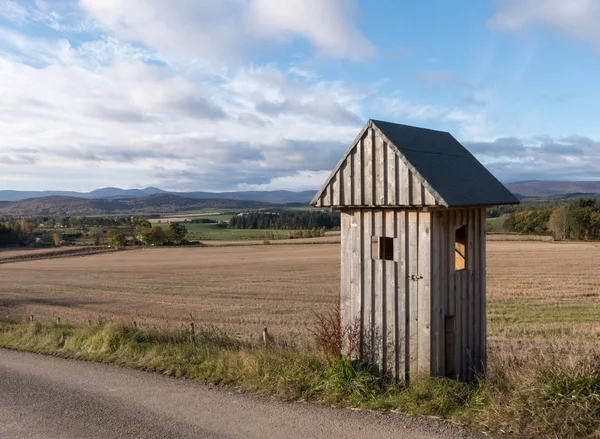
538	188
152	204
111	193
153	200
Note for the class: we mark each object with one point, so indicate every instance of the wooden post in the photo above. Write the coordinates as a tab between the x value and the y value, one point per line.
58	320
31	318
192	332
265	335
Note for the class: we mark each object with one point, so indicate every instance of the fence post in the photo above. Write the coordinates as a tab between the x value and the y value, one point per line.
192	332
266	336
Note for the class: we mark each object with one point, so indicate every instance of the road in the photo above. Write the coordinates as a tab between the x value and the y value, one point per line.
47	397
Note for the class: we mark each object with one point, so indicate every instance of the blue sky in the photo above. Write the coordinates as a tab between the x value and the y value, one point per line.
266	94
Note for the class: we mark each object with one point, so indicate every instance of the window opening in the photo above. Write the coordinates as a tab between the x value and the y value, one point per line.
382	247
460	248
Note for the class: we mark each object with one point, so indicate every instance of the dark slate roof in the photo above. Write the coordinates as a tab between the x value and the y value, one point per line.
446	166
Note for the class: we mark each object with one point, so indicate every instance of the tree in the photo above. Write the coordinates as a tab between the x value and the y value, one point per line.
139	225
25	225
558	222
116	239
96	236
177	233
155	235
57	238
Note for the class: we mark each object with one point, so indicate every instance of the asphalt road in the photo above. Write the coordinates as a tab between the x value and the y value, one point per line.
47	397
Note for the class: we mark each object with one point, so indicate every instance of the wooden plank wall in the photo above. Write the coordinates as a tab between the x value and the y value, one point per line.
389	300
373	174
458	296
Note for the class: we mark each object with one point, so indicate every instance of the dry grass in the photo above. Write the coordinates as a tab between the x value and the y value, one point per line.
538	293
12	253
242	288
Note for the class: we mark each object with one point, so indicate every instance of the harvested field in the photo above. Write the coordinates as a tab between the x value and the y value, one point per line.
538	293
18	252
46	253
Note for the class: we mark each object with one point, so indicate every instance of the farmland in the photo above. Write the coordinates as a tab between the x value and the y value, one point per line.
538	293
219	232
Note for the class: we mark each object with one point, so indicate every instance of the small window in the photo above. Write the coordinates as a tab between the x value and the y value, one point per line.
382	248
460	248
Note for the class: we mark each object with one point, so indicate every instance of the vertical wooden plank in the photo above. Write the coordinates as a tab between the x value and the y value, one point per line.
389	308
464	317
417	190
356	265
470	293
391	176
435	292
375	166
359	278
342	186
378	296
331	190
411	183
424	288
483	294
459	326
451	288
442	266
346	268
359	174
413	310
349	182
339	186
403	183
457	300
368	169
477	292
429	198
326	196
402	297
450	258
380	171
368	285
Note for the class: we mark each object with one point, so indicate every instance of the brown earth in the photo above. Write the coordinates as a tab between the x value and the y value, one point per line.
536	291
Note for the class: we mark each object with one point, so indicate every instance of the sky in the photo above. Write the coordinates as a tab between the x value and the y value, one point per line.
268	94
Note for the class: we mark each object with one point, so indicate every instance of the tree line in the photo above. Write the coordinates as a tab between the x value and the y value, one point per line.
578	220
287	220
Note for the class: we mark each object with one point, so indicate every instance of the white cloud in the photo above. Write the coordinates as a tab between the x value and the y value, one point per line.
221	29
13	11
76	112
578	18
301	180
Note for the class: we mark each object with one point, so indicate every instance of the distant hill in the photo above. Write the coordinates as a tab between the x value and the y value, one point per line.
157	203
537	188
109	193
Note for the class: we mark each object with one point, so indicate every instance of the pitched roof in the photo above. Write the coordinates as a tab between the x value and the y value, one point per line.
441	164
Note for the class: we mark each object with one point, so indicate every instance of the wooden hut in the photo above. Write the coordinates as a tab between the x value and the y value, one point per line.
413	209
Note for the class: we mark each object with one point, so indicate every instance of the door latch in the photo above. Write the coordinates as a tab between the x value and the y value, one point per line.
414	276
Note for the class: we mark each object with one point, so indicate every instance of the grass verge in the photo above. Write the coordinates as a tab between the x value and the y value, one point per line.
531	397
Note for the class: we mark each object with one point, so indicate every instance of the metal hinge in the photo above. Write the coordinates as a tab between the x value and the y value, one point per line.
414	277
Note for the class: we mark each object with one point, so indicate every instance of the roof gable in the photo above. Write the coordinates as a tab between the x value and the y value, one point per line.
398	165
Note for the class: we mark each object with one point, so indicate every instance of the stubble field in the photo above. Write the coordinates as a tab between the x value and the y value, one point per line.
540	295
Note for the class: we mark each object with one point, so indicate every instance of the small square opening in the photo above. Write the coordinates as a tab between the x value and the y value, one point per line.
460	249
382	248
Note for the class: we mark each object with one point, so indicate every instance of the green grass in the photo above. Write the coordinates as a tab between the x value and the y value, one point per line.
534	398
495	221
222	217
209	232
